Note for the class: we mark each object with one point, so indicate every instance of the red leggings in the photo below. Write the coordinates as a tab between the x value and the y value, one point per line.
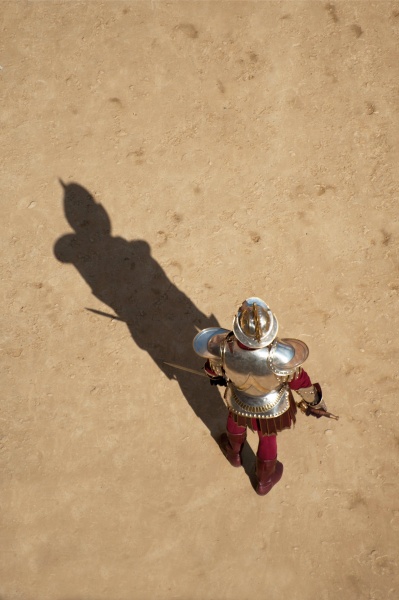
267	449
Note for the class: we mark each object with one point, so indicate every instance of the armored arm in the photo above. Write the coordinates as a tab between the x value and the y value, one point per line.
310	393
215	373
207	343
313	396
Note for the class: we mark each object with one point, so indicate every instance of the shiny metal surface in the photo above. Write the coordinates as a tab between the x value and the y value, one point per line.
286	355
208	341
216	366
268	407
309	394
249	370
254	324
313	395
257	378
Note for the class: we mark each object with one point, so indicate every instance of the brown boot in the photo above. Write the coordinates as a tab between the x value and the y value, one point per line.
231	445
268	473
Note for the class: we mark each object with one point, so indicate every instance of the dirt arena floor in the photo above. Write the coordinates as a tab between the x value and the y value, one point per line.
162	161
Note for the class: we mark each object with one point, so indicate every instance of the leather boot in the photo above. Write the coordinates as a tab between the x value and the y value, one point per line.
231	445
268	473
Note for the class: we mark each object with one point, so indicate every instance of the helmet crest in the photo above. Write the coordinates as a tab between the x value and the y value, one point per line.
258	327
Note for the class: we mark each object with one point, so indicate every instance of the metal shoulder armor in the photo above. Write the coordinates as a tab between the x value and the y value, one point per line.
207	343
287	356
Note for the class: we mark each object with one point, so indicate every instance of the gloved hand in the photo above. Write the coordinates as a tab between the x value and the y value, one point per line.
218	381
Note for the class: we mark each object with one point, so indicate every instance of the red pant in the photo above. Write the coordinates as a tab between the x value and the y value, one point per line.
267	449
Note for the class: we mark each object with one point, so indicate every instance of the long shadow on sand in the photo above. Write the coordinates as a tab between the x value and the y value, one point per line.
162	320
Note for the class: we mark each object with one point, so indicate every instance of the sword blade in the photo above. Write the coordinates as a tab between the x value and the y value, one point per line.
200	373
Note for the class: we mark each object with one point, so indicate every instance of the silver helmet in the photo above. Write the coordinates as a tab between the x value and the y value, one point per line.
255	325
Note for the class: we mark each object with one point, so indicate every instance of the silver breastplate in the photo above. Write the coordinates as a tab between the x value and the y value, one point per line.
253	389
249	370
257	379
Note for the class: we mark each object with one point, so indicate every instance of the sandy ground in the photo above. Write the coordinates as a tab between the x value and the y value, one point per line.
208	151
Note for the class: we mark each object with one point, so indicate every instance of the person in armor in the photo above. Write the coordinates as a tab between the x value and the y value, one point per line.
259	371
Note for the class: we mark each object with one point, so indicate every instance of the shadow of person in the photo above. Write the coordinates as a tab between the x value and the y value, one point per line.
162	320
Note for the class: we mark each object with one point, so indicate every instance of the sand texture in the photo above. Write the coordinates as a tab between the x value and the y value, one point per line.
161	162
